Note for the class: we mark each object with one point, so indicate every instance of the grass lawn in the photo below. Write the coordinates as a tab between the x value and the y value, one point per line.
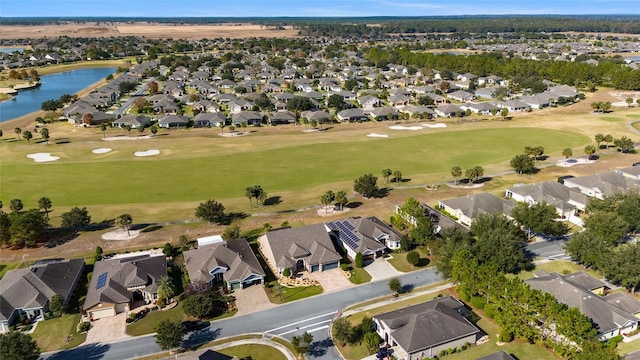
148	324
359	276
636	125
52	334
277	162
628	348
399	261
292	294
255	351
559	266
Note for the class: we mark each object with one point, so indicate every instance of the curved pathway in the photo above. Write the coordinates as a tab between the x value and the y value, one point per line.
262	341
630	126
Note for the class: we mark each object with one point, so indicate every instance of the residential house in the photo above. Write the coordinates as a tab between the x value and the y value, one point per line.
424	330
232	262
486	92
567	201
320	116
240	105
603	184
500	355
438	219
209	119
134	121
249	117
460	95
173	121
536	101
119	282
205	106
27	292
630	172
282	117
383	113
449	110
307	248
419	111
483	108
512	105
611	316
352	115
467	208
368	102
368	236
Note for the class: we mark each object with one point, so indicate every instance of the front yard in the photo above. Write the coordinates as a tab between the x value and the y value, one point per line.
281	294
399	260
52	334
254	352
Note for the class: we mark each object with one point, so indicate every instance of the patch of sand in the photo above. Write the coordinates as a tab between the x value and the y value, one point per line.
377	135
43	157
435	126
461	185
572	162
401	127
100	150
234	134
150	152
330	211
121	138
120	234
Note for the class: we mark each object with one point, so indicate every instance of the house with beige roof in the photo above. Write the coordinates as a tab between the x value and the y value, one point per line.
27	292
467	208
307	248
232	262
119	282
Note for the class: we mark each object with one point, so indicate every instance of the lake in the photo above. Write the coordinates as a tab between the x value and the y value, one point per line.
53	86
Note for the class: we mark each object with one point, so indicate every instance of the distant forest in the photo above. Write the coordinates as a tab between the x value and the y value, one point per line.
357	26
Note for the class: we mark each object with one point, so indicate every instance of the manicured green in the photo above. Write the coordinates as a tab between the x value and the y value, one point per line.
294	293
227	166
359	276
628	348
147	324
611	118
256	351
399	261
559	266
52	334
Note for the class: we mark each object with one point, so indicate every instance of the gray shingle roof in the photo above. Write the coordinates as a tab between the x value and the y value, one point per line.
476	204
311	243
500	355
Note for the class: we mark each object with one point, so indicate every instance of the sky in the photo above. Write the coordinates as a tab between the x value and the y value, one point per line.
310	8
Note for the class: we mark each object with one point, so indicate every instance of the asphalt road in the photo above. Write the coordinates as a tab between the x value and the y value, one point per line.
313	315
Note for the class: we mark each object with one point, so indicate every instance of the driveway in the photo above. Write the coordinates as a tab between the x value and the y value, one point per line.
380	269
252	299
107	329
330	280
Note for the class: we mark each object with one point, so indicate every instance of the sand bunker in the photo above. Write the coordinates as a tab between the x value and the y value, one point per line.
126	138
43	157
571	162
120	235
435	126
100	150
233	134
151	152
400	127
377	135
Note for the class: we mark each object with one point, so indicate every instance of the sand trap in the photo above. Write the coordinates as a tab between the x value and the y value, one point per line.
330	210
377	135
120	235
400	127
100	150
151	152
572	162
435	126
125	138
43	157
234	134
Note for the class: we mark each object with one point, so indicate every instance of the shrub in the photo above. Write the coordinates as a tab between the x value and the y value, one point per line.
344	267
478	302
84	326
413	257
160	302
464	296
506	336
490	310
359	260
286	272
613	342
397	222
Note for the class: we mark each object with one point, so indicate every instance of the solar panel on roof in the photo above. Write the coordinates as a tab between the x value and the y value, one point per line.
102	280
349	226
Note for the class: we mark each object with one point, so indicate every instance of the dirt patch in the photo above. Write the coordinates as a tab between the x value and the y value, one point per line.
121	235
331	211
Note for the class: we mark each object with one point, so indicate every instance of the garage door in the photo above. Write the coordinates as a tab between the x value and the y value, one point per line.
315	268
334	265
121	308
102	313
235	286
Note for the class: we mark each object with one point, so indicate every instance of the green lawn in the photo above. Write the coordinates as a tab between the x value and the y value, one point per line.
359	276
559	266
255	351
628	348
52	334
277	162
399	261
148	324
292	294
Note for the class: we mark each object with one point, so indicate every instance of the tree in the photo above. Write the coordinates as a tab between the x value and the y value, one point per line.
210	211
523	164
5	228
248	192
76	218
17	345
299	104
57	306
166	288
589	150
103	128
152	87
608	139
366	185
540	218
302	344
203	305
327	198
474	173
128	128
27	135
372	340
124	221
169	335
453	241
456	172
27	227
499	241
154	129
397	176
16	205
342	330
231	232
341	199
567	153
607	226
386	173
599	138
44	133
423	231
44	203
336	101
413	257
504	112
629	101
141	129
624	144
18	131
359	260
394	284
